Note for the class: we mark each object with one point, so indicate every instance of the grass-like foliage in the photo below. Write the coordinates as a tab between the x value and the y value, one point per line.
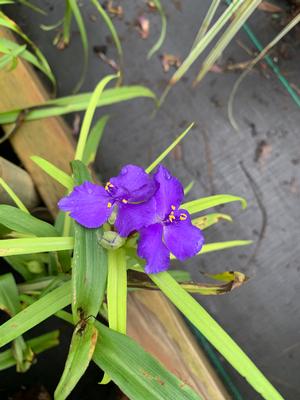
67	264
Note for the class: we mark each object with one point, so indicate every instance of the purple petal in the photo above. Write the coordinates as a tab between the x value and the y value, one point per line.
88	205
153	250
134	184
182	238
132	217
170	191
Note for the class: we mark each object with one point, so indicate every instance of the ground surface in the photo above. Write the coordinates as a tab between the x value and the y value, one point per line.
260	163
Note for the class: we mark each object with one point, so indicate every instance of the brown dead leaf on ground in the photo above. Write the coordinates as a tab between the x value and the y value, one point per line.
143	26
262	152
115	11
269	7
217	69
151	5
100	51
170	60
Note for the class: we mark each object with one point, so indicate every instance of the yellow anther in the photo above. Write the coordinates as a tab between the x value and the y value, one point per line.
109	204
124	201
108	185
171	218
173	207
183	217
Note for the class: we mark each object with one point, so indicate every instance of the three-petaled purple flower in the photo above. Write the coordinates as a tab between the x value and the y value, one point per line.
132	191
171	230
145	203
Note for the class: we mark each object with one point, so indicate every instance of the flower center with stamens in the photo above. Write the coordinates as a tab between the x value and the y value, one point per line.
108	186
174	216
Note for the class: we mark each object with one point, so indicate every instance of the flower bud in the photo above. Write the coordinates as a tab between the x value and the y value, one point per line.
111	240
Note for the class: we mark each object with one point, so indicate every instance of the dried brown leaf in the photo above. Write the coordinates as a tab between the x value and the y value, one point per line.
143	25
115	11
269	7
262	152
170	60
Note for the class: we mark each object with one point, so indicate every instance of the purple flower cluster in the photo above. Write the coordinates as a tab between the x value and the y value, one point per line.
145	203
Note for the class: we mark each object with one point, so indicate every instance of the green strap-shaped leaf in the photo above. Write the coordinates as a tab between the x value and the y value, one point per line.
10	24
60	176
10	247
89	114
209	247
20	221
210	219
82	347
198	205
136	372
84	39
213	332
110	25
93	140
9	302
13	195
163	31
79	102
11	56
38	345
169	149
89	272
232	279
117	290
9	296
35	313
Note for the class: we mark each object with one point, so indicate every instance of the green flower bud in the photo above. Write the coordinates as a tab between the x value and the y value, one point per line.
110	240
35	267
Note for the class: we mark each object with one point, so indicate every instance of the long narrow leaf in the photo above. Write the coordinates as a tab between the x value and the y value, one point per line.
198	205
35	313
210	219
117	290
89	272
207	20
69	104
38	345
110	25
206	39
209	247
93	140
239	19
60	176
162	35
9	247
20	221
84	39
213	332
10	24
136	372
88	116
25	54
80	354
169	148
13	195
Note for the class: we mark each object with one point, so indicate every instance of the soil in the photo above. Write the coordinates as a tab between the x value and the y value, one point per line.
260	163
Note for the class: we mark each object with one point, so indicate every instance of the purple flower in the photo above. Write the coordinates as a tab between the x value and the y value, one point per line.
171	230
132	191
